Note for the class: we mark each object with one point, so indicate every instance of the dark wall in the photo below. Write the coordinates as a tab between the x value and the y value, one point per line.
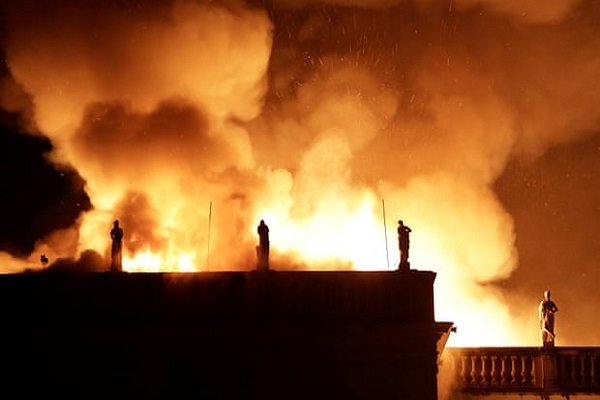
277	335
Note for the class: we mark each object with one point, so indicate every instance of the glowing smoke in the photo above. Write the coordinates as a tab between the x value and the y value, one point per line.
145	100
166	108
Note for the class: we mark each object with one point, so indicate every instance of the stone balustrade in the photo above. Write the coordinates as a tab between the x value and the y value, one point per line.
579	367
526	370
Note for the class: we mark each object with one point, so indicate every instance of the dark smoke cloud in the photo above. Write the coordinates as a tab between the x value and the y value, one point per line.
38	197
88	261
174	134
40	200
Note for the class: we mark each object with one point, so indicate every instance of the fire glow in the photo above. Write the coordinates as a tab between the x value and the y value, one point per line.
307	124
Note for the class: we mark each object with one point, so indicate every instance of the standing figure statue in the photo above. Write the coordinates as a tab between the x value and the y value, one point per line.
547	310
116	253
262	251
403	242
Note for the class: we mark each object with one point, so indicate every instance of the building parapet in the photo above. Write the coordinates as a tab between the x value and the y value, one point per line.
526	370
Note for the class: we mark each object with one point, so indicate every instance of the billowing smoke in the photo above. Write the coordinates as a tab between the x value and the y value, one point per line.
440	104
308	114
147	98
39	199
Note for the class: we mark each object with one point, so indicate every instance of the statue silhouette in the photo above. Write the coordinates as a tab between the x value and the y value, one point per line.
116	253
44	260
547	310
403	242
262	251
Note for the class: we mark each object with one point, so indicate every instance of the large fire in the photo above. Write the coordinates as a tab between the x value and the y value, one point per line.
192	121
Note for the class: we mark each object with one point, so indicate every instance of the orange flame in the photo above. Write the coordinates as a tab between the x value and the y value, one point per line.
176	115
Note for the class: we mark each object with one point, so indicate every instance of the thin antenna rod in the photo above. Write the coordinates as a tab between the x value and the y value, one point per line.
208	243
387	253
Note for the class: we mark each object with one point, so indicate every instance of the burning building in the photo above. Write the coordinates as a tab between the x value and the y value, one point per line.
475	120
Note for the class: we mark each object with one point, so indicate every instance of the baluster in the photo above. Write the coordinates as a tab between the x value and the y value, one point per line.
473	371
593	369
523	370
513	369
463	369
533	381
562	371
503	371
493	372
484	380
582	371
573	370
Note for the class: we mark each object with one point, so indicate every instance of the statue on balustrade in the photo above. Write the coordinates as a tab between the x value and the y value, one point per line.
547	311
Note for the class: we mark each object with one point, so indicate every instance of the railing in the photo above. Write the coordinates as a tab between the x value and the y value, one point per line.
562	370
579	368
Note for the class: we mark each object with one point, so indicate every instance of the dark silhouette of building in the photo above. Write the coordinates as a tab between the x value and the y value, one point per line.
403	243
116	251
262	251
230	335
